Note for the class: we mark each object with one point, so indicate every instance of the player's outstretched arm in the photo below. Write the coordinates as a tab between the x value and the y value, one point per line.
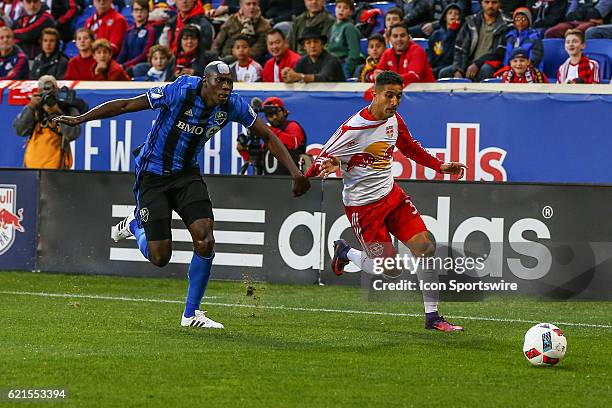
107	110
278	149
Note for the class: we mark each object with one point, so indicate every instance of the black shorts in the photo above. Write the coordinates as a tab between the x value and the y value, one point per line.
157	196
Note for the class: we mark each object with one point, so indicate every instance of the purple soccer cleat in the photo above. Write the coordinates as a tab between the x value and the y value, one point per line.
339	261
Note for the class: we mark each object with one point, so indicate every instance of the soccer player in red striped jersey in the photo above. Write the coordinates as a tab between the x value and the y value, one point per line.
375	205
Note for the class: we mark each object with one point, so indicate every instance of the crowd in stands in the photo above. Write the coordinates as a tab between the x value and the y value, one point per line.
303	40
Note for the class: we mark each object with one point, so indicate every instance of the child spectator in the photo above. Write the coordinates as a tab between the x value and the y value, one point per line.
28	29
51	60
394	16
521	71
191	58
577	69
158	68
524	36
13	61
106	69
282	56
245	69
139	38
376	47
344	37
441	48
81	66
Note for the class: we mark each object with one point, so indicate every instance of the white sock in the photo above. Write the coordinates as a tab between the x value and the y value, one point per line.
430	297
360	258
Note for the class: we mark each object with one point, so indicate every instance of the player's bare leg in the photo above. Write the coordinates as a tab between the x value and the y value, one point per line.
201	231
423	245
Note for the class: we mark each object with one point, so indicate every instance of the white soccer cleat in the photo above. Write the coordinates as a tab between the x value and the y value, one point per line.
200	320
122	229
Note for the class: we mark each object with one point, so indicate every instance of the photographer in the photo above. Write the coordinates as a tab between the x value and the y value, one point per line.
290	133
48	147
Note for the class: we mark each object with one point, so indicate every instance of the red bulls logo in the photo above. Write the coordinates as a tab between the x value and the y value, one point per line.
10	217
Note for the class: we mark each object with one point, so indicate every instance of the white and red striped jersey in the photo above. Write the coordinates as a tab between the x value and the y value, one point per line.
365	146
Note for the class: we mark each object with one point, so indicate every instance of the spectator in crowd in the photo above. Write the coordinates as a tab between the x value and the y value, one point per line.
139	38
28	28
160	13
441	46
108	23
189	12
439	7
394	16
48	146
525	37
577	69
405	58
10	10
581	15
416	13
317	65
315	16
225	8
158	68
191	57
51	60
281	11
245	69
376	47
81	66
290	132
64	12
604	30
481	44
344	37
106	68
13	61
282	56
546	13
520	70
247	21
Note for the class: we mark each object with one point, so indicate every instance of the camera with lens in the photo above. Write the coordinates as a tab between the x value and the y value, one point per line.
65	97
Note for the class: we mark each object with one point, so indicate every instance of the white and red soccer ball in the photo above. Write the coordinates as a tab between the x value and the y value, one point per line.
545	345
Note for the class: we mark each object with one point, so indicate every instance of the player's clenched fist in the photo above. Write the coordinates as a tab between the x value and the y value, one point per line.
301	185
453	168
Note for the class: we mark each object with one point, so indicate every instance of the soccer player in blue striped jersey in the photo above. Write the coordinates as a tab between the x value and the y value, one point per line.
191	111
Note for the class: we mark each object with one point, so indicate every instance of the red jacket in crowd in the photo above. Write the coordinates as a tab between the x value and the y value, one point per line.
110	25
289	59
80	68
114	72
412	65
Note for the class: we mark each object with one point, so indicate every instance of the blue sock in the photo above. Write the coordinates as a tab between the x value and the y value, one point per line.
141	238
199	273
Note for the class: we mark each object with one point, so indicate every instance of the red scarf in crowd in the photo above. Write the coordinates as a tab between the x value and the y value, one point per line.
180	23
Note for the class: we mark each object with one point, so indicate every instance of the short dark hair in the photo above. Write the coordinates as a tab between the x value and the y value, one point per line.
243	37
276	31
349	3
388	78
377	37
576	32
142	3
51	31
397	11
399	25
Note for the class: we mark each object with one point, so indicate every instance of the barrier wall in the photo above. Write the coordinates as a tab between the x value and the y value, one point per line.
529	133
552	240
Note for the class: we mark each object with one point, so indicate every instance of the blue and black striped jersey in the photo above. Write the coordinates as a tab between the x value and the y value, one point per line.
184	124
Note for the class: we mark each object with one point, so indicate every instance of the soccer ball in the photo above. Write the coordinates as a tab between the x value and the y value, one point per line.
544	345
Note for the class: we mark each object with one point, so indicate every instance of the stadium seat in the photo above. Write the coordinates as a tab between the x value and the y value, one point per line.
492	80
476	7
384	6
423	42
126	12
80	20
331	7
71	49
363	43
601	51
454	80
554	56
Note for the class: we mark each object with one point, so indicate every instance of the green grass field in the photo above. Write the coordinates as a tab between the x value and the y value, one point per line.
277	351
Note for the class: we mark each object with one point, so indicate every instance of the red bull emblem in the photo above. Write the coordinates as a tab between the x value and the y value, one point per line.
10	217
377	156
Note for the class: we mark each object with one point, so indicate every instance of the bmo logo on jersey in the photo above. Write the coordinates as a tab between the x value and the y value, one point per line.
193	129
462	145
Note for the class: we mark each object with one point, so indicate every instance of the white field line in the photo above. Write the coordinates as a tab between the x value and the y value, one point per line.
293	309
